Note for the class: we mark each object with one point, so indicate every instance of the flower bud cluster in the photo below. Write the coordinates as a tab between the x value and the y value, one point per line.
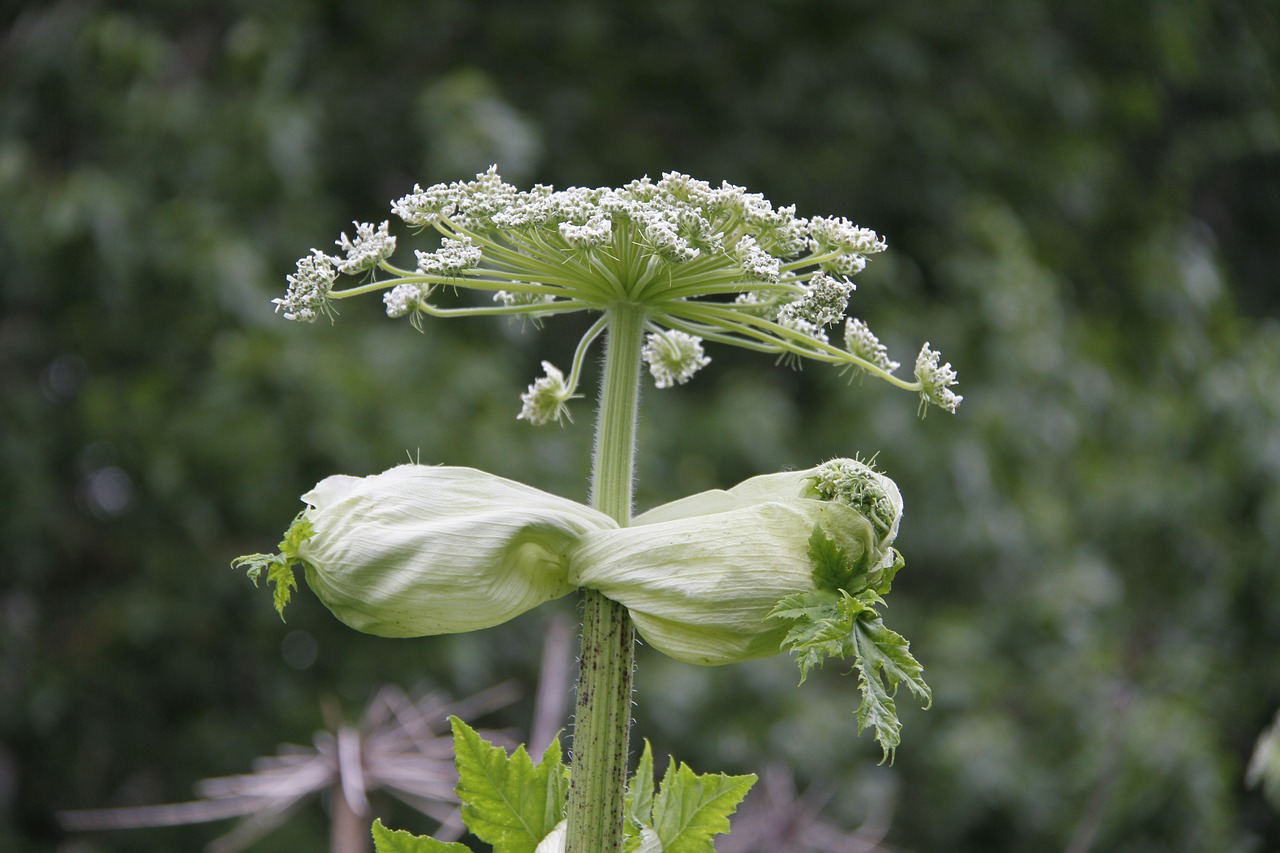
510	299
673	357
858	485
308	293
757	264
451	259
367	250
595	233
423	208
935	381
823	302
405	298
860	341
547	399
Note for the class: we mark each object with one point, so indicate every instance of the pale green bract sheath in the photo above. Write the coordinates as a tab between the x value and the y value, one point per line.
701	574
796	561
422	550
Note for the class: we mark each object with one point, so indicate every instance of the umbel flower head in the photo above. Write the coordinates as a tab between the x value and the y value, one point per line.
705	264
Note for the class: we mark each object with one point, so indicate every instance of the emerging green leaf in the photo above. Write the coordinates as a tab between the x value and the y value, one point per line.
279	566
507	801
834	567
690	809
399	841
639	800
647	841
884	661
839	625
820	627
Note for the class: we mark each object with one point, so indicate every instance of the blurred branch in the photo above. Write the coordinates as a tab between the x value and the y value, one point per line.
402	746
775	817
551	705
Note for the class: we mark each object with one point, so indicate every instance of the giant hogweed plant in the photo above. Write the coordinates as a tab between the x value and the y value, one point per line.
796	562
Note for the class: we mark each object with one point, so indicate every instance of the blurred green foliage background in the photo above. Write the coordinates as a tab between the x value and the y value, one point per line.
1082	203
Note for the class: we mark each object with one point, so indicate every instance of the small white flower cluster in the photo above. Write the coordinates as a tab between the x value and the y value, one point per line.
547	398
597	231
824	301
308	293
757	264
822	304
511	300
839	233
451	259
464	203
673	357
403	298
424	207
664	239
860	341
849	243
935	381
367	250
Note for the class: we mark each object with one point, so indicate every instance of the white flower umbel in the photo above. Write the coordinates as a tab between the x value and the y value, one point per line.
367	250
859	340
547	398
715	264
309	288
673	357
935	381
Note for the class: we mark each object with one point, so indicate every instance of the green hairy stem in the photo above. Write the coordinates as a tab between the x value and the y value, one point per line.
602	719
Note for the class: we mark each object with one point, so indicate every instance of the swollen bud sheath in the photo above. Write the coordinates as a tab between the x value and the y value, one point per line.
700	575
421	549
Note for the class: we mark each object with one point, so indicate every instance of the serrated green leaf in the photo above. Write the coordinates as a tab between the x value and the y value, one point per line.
832	569
300	530
638	805
820	625
280	575
828	625
279	566
884	662
690	809
507	802
399	841
279	571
